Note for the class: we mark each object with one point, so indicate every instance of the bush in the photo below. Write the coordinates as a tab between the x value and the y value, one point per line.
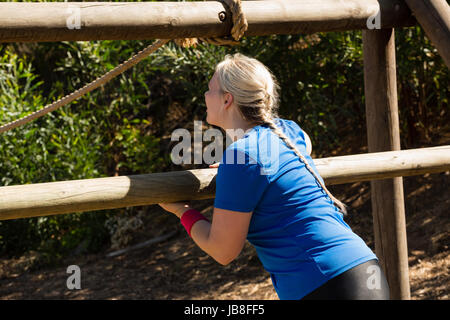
124	127
60	146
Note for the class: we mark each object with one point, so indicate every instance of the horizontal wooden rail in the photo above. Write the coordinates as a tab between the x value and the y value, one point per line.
84	21
383	165
50	198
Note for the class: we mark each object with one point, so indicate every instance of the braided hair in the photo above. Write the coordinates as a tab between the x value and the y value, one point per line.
255	92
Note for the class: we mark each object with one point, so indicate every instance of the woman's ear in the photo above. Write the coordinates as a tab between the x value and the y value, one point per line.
228	100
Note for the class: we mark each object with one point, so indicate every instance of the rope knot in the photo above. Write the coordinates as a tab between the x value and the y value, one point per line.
240	25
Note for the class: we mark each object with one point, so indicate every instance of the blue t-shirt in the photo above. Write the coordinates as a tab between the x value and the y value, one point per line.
298	233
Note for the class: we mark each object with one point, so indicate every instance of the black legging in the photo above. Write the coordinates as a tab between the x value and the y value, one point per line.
363	282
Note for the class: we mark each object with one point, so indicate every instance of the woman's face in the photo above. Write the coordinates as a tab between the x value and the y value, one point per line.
214	99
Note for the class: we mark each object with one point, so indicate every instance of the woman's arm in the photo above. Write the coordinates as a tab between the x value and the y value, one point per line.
223	238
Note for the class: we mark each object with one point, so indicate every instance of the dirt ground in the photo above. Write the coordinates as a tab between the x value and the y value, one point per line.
177	269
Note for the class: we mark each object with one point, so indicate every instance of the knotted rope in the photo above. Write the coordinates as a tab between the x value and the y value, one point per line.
239	27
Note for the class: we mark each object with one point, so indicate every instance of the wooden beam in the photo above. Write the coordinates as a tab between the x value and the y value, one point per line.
42	199
384	135
51	21
383	165
434	17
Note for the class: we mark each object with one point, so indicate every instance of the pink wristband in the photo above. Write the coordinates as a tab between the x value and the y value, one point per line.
189	218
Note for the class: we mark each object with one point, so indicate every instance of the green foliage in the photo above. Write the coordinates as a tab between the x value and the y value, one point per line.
321	80
423	87
60	146
123	127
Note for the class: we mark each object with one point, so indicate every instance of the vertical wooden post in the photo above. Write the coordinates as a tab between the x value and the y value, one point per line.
383	135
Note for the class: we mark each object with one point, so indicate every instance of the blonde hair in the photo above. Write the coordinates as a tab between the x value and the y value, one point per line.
255	92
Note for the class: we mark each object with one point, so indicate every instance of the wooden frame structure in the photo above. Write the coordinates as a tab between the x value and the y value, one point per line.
36	22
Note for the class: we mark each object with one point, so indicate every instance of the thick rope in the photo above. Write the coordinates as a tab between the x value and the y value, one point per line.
87	88
240	25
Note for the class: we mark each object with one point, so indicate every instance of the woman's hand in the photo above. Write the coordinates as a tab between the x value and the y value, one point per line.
177	208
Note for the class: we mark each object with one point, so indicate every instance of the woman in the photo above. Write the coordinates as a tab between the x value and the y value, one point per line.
274	197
